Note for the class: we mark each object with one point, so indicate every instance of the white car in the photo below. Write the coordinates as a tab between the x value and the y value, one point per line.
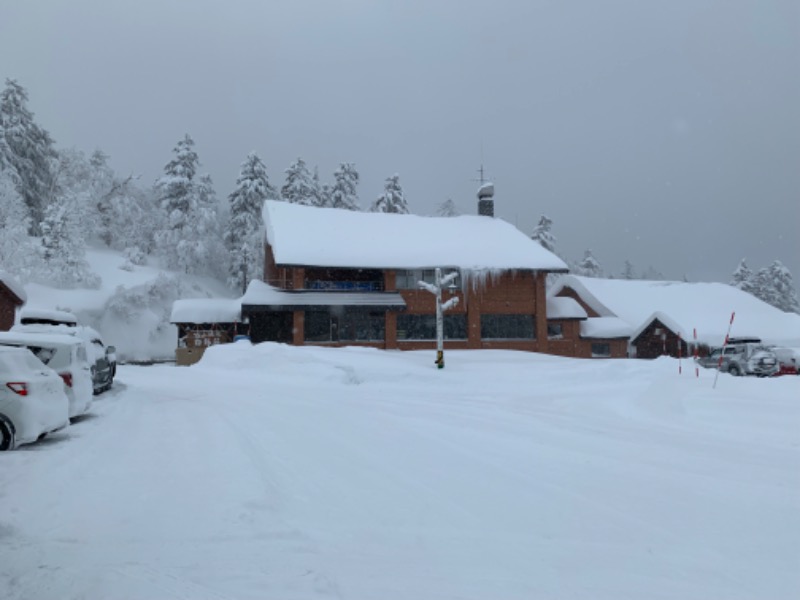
66	355
32	398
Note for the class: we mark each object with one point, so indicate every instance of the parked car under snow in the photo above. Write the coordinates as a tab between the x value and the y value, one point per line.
32	398
742	356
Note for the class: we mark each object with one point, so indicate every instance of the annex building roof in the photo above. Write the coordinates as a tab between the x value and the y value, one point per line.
328	237
706	307
13	285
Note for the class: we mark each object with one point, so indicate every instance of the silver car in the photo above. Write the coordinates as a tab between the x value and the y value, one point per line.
743	357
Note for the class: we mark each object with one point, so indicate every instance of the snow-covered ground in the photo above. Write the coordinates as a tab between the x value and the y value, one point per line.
285	472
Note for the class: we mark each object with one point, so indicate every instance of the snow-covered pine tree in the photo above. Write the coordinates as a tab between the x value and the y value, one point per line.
343	192
543	234
189	241
392	200
775	286
588	265
30	151
628	271
447	209
743	278
63	246
18	251
299	187
244	232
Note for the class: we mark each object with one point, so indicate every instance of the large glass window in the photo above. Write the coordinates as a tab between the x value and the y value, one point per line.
423	327
507	327
349	326
362	326
601	350
317	326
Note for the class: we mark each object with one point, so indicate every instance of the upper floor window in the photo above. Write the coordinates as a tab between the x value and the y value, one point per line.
408	279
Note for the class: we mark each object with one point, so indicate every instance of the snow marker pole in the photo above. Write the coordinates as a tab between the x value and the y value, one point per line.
696	368
680	368
722	352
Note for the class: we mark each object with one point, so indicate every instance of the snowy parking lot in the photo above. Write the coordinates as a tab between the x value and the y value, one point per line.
296	473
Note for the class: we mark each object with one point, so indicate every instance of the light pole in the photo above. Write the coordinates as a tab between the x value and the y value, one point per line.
436	290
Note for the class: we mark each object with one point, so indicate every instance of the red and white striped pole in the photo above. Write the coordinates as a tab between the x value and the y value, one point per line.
696	368
680	368
722	352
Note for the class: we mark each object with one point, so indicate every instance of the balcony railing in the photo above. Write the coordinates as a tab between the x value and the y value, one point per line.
345	286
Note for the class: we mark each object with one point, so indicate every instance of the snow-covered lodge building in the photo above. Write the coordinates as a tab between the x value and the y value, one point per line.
12	297
339	277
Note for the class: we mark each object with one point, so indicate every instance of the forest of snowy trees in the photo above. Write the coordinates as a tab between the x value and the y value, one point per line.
53	202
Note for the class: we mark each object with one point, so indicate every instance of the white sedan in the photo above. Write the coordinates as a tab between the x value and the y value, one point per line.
32	398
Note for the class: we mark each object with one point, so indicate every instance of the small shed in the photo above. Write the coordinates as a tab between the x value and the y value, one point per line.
12	296
204	322
658	336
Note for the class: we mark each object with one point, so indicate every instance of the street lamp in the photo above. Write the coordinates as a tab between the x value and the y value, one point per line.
436	290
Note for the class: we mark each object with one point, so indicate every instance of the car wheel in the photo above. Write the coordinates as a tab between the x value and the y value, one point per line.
7	435
734	370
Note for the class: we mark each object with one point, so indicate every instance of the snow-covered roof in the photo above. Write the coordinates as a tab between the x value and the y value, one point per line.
46	314
704	306
605	328
13	285
564	308
309	236
17	338
262	294
206	310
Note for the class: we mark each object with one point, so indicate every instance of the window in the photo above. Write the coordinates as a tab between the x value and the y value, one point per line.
409	279
555	331
362	326
423	327
601	350
507	327
350	326
317	326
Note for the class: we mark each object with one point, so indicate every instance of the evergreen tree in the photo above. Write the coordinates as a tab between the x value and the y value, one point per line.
28	149
628	271
64	248
542	233
244	233
775	286
447	209
189	240
743	277
343	193
18	251
392	200
588	265
299	187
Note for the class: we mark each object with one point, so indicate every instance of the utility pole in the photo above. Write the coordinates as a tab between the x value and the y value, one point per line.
436	290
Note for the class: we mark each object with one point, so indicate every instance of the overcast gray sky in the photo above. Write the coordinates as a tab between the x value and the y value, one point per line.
667	133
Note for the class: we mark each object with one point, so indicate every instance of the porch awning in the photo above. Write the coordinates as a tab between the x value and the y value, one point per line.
261	297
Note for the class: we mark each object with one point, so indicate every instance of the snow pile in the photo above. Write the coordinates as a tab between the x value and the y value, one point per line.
275	471
131	308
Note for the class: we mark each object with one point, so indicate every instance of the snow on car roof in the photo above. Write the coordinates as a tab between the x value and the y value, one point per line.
16	338
704	306
46	314
13	285
303	235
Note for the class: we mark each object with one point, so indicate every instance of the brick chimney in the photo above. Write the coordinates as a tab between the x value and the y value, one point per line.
486	200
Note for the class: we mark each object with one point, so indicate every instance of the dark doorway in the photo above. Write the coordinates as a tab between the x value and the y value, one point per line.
271	327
